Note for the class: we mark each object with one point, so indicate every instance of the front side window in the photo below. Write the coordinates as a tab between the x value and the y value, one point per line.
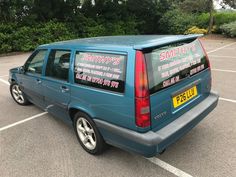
35	63
100	70
58	64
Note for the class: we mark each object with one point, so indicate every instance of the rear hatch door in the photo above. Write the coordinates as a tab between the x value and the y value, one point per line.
179	78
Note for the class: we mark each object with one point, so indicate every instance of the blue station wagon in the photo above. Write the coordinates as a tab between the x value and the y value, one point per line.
139	93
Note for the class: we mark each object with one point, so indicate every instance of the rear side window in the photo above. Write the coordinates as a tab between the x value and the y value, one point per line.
58	64
100	70
172	63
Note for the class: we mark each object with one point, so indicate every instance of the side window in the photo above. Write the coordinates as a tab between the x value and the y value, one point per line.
58	64
35	63
100	70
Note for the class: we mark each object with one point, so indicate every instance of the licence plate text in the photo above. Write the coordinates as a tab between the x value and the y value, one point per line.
184	97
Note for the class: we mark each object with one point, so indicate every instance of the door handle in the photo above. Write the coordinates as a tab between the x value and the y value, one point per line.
64	89
38	81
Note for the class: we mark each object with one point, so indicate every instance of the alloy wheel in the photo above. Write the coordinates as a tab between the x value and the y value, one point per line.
86	133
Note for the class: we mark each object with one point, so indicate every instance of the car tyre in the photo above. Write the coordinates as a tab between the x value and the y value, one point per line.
17	94
88	135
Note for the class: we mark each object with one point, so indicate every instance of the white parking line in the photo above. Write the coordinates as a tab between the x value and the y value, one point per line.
3	75
210	41
217	56
221	47
226	99
224	70
5	82
213	40
228	48
168	167
22	121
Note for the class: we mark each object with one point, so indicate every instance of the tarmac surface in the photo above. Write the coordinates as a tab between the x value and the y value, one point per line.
45	146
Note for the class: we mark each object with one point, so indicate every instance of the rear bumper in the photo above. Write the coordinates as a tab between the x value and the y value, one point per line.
151	143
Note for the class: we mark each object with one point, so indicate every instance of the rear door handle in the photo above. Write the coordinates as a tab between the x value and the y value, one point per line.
64	89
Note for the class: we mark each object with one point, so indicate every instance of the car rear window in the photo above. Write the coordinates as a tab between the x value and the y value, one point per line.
100	70
170	64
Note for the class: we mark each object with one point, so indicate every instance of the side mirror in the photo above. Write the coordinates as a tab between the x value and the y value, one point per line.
21	70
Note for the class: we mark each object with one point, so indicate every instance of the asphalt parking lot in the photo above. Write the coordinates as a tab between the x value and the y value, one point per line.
32	144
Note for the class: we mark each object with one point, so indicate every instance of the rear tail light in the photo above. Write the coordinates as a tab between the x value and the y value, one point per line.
208	61
207	58
142	97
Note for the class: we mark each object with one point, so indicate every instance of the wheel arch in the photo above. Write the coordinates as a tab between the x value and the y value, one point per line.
75	109
13	78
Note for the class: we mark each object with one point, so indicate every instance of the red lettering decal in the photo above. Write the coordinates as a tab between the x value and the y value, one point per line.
78	76
114	84
116	61
89	78
106	83
84	77
170	54
162	56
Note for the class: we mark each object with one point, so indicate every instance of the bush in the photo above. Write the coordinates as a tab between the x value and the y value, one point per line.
196	30
229	29
121	27
4	46
176	22
202	20
8	28
22	39
14	37
97	30
52	32
26	38
221	18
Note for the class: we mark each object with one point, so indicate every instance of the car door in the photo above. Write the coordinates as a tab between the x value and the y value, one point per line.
31	81
56	83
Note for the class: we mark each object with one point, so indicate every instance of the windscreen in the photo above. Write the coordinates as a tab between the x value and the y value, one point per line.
170	64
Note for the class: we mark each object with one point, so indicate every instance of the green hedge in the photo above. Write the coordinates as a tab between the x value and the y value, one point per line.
229	29
15	38
224	17
26	38
111	29
176	22
220	18
202	20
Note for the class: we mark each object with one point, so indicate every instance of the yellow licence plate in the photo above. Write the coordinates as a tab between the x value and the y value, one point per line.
184	97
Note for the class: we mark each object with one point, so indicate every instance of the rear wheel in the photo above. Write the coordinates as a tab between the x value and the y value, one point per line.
88	135
18	95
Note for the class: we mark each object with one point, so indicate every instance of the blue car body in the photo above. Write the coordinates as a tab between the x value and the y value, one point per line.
114	112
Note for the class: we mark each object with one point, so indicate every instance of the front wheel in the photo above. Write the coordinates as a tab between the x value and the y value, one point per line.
18	95
88	135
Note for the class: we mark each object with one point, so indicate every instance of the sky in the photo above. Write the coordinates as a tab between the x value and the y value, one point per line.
218	6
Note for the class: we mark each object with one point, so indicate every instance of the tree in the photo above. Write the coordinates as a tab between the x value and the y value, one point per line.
7	10
193	6
231	3
147	12
211	10
200	6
